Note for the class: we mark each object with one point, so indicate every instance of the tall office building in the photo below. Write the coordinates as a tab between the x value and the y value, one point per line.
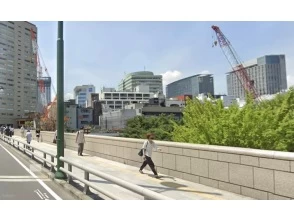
18	73
267	72
82	95
193	85
132	80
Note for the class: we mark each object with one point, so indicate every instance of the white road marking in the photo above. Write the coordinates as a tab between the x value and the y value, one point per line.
17	177
45	194
21	180
38	194
55	196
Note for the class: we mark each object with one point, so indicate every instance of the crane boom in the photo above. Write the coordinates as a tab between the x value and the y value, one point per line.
235	62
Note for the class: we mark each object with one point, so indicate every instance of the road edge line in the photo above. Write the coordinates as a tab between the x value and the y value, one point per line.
55	196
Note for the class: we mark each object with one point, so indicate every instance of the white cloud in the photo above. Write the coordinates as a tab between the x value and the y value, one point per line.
204	72
68	96
169	77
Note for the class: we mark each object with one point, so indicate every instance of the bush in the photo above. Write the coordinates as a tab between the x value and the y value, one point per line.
162	126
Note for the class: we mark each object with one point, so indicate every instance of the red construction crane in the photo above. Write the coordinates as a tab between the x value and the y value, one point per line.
37	62
235	63
37	55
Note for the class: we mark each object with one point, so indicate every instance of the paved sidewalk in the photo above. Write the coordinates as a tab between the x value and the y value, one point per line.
169	186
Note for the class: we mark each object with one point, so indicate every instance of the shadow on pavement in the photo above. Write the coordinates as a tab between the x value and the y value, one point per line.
162	177
90	194
175	186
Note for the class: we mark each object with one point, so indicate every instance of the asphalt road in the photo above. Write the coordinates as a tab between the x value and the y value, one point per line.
21	178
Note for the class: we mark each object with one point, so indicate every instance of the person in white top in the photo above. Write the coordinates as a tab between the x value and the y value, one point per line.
80	140
147	154
22	130
29	136
11	132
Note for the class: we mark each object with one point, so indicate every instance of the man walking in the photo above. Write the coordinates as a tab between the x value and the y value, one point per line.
80	140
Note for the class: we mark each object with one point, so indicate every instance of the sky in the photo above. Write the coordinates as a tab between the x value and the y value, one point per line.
100	53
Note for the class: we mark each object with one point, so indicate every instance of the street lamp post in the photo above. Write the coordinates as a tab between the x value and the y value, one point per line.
60	102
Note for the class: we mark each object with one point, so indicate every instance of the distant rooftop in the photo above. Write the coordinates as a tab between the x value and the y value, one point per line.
141	73
202	74
31	23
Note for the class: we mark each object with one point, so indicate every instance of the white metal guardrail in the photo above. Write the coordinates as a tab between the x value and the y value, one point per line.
27	148
148	194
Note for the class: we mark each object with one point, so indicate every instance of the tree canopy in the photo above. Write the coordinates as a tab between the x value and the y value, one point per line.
268	124
162	126
265	125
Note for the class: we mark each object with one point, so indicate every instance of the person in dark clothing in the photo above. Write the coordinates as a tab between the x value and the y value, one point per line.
11	131
7	130
38	134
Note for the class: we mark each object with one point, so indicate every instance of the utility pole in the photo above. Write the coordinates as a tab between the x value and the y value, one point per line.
60	102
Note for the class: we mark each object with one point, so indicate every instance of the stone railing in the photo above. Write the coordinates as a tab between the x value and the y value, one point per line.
255	173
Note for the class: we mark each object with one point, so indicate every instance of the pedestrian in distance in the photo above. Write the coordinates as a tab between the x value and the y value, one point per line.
55	137
22	131
7	131
38	133
11	131
80	140
148	146
2	129
29	136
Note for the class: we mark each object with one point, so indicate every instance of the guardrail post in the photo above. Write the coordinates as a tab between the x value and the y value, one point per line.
86	187
32	151
69	177
52	166
24	148
18	145
44	162
13	142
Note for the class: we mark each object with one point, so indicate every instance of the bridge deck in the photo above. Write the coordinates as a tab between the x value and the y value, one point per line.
167	185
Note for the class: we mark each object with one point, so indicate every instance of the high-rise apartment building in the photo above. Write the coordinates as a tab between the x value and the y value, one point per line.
82	95
18	73
193	85
132	80
268	74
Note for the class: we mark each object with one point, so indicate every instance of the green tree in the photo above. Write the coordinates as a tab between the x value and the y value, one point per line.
265	125
162	126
